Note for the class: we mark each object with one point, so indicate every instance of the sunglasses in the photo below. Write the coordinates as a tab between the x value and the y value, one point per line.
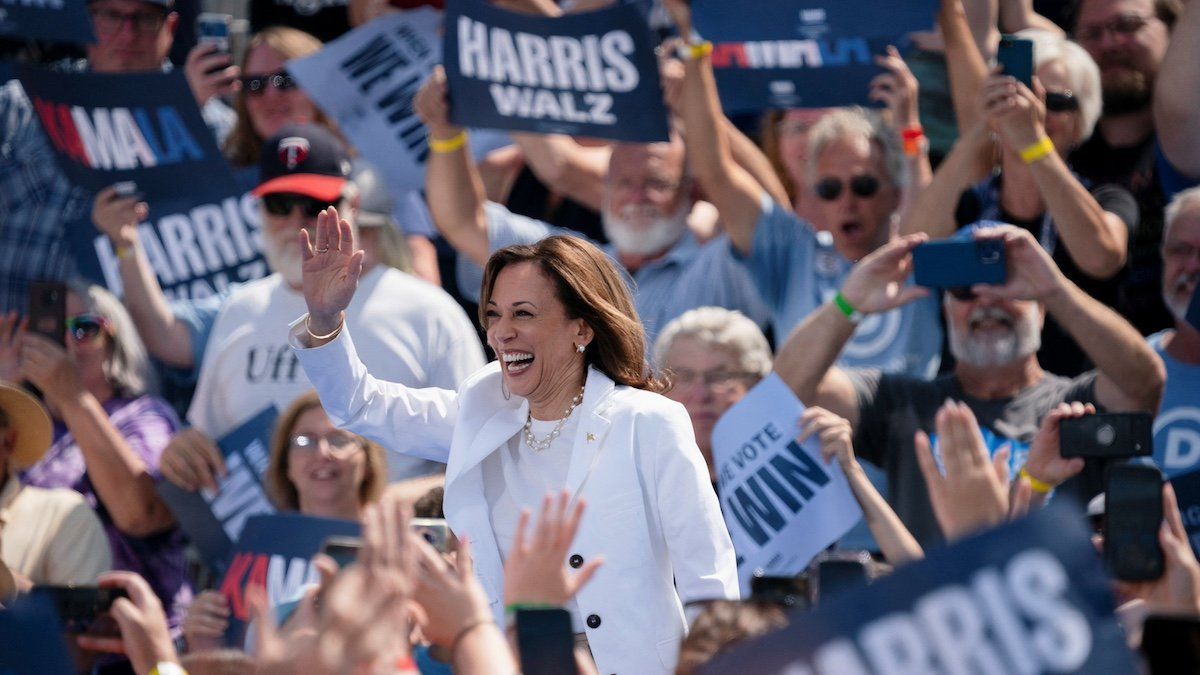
1061	101
283	204
962	293
256	85
862	185
86	327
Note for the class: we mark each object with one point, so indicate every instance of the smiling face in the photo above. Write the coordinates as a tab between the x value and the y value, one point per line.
1065	127
271	108
986	333
1128	41
708	380
645	205
329	472
859	224
91	352
1181	259
534	339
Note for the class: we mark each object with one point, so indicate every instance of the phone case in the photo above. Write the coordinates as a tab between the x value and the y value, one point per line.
1132	516
1108	435
957	264
1015	56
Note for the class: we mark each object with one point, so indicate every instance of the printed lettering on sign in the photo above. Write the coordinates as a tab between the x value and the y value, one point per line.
1177	440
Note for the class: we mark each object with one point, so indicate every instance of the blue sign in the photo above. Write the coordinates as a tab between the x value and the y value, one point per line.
49	20
803	53
1029	597
274	553
1193	310
214	520
31	639
591	74
1187	493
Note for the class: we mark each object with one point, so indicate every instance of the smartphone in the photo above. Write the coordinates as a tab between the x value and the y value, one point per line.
959	264
433	530
1171	644
546	641
214	28
1132	515
82	609
48	310
343	550
1015	57
833	577
128	188
1108	435
1193	310
785	591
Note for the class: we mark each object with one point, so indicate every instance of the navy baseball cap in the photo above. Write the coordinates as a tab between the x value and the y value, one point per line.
305	160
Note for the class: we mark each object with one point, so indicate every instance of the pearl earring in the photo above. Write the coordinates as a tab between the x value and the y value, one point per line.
580	348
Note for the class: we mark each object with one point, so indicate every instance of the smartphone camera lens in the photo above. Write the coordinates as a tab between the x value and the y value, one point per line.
1106	434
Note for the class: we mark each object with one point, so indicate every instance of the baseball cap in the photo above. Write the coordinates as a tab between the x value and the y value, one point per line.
31	422
305	160
375	206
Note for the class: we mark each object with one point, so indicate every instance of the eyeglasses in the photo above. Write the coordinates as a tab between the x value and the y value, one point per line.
1061	101
109	22
338	440
1124	26
658	187
862	185
86	327
256	85
283	204
962	293
719	381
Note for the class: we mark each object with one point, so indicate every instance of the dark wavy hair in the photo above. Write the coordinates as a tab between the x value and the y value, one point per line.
590	288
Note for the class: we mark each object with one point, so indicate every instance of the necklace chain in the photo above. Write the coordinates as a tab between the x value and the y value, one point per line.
540	445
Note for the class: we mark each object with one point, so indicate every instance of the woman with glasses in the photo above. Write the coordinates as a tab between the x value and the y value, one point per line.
109	430
1086	228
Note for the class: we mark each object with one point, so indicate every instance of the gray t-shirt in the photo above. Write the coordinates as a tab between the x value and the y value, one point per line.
893	407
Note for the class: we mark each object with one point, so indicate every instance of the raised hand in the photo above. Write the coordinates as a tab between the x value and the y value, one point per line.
331	269
192	461
877	282
117	217
681	16
832	431
897	89
432	105
145	637
206	621
1045	463
1177	591
1016	113
535	571
1032	273
210	73
452	599
49	367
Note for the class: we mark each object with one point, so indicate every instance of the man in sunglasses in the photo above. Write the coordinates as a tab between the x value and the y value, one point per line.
38	201
994	335
413	332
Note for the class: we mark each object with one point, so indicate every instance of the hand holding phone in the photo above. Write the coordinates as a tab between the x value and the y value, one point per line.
48	310
82	608
1133	514
954	265
343	550
1108	435
786	591
1015	57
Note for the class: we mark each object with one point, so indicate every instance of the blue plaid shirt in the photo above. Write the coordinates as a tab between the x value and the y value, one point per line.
37	202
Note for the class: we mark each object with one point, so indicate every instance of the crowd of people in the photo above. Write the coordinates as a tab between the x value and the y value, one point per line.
537	346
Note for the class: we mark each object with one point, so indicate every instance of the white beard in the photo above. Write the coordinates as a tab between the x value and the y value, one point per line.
283	255
640	230
1179	309
1023	338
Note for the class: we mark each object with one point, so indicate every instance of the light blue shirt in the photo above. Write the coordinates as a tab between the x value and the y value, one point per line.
1177	426
690	275
796	271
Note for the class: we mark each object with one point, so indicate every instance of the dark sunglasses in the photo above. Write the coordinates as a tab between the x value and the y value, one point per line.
862	185
1061	101
85	327
282	204
256	85
962	293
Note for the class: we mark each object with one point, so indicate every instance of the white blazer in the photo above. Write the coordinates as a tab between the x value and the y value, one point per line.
652	513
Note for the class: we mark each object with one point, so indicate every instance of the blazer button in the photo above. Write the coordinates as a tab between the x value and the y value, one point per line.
593	621
575	561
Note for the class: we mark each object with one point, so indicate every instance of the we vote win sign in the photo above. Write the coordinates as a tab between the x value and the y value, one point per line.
591	74
782	503
1028	598
803	53
49	20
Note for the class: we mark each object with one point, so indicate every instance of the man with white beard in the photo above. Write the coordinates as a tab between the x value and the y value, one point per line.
413	332
646	206
994	335
1177	429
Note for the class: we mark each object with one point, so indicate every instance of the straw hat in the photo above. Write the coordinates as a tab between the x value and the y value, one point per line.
32	423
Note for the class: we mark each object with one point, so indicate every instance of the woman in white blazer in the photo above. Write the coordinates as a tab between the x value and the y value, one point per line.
569	403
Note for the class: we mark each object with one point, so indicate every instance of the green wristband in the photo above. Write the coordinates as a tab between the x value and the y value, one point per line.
844	306
512	609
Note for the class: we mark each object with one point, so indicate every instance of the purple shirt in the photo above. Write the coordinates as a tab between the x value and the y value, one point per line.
146	423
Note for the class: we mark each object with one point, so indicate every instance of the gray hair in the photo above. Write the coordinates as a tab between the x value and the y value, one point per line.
128	370
857	122
719	327
1083	75
1178	202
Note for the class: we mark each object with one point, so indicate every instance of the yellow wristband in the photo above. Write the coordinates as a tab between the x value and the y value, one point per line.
449	144
1038	151
1035	484
124	252
698	50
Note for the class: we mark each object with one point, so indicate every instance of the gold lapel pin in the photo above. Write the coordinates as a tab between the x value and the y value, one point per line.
591	437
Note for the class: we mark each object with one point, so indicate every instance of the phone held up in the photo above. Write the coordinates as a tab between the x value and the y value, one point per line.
82	609
1133	514
1015	57
954	264
47	305
1107	435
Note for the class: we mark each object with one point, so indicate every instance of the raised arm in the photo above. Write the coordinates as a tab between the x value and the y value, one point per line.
166	338
898	90
1131	376
966	65
1177	94
932	210
452	185
566	167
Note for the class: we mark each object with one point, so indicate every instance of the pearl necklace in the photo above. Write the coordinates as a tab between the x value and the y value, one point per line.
543	444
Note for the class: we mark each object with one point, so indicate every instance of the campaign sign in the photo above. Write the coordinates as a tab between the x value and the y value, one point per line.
1193	310
107	128
803	53
1029	597
591	74
31	639
214	520
274	553
782	503
198	245
49	20
1187	493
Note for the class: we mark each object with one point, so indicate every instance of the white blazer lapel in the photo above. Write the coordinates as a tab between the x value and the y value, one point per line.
593	428
492	433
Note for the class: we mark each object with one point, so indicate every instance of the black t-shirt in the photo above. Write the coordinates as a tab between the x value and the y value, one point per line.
529	197
893	407
1059	352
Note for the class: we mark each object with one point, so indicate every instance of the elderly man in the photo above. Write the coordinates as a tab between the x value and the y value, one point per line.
36	198
412	331
46	536
994	335
647	207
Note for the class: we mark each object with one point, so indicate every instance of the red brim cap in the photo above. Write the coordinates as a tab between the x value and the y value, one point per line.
322	188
